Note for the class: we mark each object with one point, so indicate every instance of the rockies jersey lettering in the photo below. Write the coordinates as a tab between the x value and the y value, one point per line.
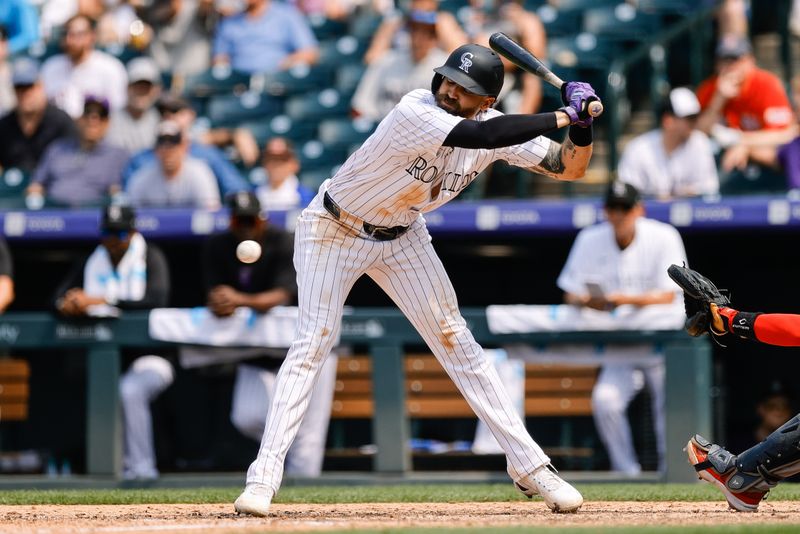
403	170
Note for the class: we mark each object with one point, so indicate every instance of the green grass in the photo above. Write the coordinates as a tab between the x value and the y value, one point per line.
399	493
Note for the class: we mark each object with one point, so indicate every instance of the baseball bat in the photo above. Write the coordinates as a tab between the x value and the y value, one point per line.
516	54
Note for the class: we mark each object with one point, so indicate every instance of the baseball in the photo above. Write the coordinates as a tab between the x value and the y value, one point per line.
248	251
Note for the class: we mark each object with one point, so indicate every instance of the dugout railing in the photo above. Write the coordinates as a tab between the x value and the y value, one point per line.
384	332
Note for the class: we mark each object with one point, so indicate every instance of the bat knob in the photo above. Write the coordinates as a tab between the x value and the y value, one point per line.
595	108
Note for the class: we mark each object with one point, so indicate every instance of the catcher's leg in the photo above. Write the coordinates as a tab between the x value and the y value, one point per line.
745	479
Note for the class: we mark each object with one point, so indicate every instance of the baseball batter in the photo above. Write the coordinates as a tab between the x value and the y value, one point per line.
368	219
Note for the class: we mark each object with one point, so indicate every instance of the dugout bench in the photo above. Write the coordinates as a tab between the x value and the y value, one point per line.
385	331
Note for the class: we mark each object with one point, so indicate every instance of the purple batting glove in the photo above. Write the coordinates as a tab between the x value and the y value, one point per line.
577	96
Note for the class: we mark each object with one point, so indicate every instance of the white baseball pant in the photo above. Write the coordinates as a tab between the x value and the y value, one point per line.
329	257
146	379
616	386
252	395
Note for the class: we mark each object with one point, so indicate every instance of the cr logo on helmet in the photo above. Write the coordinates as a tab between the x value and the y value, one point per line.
466	62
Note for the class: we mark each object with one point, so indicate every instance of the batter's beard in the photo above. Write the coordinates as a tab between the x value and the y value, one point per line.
453	107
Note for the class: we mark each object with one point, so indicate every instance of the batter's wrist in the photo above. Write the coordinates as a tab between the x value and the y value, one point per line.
580	136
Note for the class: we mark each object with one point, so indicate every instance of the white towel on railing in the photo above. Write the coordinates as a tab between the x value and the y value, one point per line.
525	318
245	328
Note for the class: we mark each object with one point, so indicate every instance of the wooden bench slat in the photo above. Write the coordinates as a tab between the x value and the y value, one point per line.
550	389
14	369
16	391
17	411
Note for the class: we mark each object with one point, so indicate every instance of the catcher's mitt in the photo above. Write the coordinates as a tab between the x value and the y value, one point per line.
698	294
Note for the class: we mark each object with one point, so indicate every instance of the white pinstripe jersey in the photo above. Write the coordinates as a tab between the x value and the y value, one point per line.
403	170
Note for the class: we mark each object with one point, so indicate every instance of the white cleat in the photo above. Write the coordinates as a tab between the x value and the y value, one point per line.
254	500
559	495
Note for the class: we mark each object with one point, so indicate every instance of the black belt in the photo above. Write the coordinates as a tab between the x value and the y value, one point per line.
381	233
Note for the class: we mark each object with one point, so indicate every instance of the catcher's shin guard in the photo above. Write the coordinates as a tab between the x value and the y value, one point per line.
717	466
775	458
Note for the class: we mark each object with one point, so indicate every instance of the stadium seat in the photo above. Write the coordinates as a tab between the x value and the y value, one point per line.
230	110
348	76
363	25
12	187
281	125
327	103
299	79
215	81
754	179
314	177
568	5
622	23
683	7
325	28
343	133
337	52
559	23
314	155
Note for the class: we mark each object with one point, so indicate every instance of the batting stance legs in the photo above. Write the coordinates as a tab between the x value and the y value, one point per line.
329	257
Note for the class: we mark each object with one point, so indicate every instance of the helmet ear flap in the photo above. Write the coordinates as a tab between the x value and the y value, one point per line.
436	82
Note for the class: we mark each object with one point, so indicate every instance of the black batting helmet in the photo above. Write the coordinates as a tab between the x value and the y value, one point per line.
474	67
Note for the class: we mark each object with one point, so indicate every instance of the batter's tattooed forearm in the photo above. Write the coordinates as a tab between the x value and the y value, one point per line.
553	163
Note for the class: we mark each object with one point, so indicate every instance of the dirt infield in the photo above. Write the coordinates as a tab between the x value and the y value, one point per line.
218	518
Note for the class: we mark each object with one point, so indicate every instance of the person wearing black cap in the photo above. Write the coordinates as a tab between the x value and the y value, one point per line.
111	274
174	179
82	172
179	110
124	272
741	96
622	262
675	160
27	130
260	286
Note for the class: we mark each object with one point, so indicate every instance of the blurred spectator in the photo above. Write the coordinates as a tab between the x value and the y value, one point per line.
399	71
522	91
179	110
623	262
266	37
21	20
282	189
7	98
29	129
675	160
6	276
123	272
56	13
777	149
181	34
80	172
81	70
175	179
118	25
134	127
391	32
741	96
